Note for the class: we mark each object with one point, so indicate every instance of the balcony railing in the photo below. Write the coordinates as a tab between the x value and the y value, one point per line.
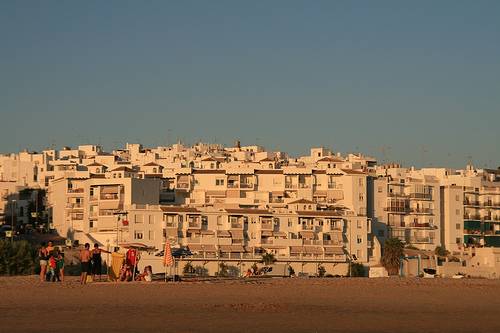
75	190
422	210
246	185
236	226
472	217
302	185
266	226
421	240
74	205
194	224
397	209
109	196
290	185
424	196
183	185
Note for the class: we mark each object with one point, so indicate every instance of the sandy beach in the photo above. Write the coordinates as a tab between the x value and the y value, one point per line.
265	305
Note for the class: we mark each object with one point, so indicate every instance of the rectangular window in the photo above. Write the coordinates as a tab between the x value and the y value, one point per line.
458	226
138	234
380	189
219	182
457	211
219	220
151	235
151	219
457	240
359	224
457	197
138	218
360	240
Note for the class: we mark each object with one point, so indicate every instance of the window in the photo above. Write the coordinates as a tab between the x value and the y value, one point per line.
138	218
151	219
360	240
219	220
457	212
457	197
290	224
359	224
380	189
360	181
138	234
457	226
151	235
219	182
361	197
457	240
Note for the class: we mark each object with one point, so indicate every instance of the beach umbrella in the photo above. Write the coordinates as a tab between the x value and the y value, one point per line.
168	259
137	247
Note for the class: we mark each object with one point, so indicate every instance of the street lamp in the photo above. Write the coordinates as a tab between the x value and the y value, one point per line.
13	204
118	219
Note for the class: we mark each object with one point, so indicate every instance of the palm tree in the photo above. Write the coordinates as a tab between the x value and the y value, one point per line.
392	254
268	259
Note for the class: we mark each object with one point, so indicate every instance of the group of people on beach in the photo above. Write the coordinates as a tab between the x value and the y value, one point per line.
91	262
130	264
51	263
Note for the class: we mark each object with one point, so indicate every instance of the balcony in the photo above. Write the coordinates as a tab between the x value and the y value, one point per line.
290	186
236	226
421	240
303	185
420	225
421	196
266	226
109	196
396	194
403	210
471	203
74	205
475	217
75	190
183	186
195	224
422	211
307	227
246	185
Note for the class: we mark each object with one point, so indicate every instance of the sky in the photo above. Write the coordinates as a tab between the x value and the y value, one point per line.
415	82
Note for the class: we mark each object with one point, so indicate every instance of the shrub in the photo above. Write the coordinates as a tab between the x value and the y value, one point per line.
188	268
16	258
321	271
357	270
223	270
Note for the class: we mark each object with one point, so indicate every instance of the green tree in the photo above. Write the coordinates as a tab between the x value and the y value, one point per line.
17	258
392	253
268	259
188	268
441	251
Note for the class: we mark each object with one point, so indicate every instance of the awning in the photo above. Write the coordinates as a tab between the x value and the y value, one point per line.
201	248
334	250
296	249
237	248
313	250
223	233
225	248
109	189
307	234
267	233
109	204
271	246
237	234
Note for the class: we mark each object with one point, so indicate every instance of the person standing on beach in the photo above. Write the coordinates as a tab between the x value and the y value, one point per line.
43	255
85	260
97	261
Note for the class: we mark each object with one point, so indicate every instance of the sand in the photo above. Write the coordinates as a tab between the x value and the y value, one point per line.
259	305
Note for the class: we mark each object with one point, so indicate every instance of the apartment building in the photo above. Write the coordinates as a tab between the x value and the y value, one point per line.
298	235
89	209
406	206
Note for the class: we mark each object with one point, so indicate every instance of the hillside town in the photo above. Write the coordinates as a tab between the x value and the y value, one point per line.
236	204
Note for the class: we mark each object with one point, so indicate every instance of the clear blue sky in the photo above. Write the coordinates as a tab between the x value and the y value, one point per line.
421	78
